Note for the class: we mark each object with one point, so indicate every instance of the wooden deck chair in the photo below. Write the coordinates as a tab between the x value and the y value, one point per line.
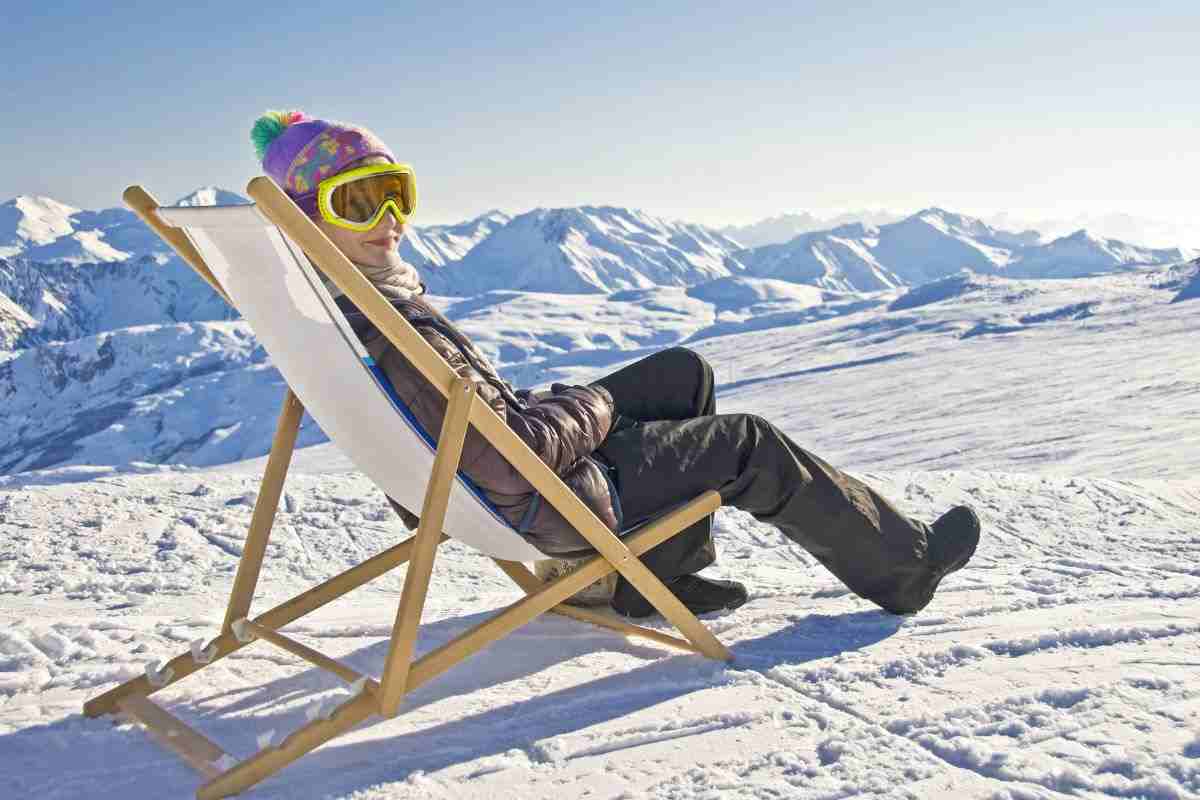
254	256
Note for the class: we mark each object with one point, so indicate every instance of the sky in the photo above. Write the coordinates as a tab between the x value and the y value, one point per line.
718	113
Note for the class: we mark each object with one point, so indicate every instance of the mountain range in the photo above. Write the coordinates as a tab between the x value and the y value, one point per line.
602	249
932	244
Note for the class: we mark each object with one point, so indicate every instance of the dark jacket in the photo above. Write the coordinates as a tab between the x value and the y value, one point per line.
563	429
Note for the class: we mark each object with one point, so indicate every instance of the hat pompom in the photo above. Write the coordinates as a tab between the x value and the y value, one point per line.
269	126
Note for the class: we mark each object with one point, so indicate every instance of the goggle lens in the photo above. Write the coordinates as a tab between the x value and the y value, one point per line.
358	200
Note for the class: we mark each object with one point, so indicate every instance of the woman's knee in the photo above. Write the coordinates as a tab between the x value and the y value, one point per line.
686	356
684	361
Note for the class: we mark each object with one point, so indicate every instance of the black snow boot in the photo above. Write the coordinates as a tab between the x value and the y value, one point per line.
955	537
699	595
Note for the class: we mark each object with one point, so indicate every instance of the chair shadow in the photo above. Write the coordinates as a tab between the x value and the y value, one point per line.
521	723
532	719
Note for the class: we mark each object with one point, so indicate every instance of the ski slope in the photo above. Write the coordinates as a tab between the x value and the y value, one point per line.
1063	662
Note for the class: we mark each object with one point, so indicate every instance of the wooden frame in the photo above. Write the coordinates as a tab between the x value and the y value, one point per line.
401	671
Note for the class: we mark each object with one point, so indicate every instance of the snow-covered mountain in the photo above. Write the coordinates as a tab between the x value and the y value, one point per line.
588	249
431	247
44	230
1083	253
63	301
211	196
932	244
785	227
199	393
604	249
1126	227
15	321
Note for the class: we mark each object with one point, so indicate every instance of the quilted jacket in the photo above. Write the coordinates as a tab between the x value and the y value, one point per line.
563	427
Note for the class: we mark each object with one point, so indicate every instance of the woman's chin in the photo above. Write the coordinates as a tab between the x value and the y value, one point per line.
381	257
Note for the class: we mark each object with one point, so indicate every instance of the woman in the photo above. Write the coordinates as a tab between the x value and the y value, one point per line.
629	445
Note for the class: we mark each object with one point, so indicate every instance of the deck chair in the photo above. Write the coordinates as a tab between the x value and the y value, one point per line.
257	258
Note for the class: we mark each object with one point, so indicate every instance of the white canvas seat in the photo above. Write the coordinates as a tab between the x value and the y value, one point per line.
310	342
258	258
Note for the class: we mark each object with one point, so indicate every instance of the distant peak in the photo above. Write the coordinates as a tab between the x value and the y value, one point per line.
1081	235
36	204
212	196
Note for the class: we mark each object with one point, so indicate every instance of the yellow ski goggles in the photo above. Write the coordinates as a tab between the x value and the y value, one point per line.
358	198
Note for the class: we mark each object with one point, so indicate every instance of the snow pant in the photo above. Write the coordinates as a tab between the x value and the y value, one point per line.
669	445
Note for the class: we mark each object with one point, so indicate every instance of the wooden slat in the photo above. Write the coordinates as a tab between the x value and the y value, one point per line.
146	207
280	209
314	657
304	603
174	734
530	583
433	516
265	506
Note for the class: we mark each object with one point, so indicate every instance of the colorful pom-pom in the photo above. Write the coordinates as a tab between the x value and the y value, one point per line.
269	126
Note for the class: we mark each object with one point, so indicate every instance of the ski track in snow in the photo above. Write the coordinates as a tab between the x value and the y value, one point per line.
1061	663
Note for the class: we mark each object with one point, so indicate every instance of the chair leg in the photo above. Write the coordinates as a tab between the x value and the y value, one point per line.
429	532
265	507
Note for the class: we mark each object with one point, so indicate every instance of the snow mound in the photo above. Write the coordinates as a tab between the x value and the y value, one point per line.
738	292
938	291
1189	283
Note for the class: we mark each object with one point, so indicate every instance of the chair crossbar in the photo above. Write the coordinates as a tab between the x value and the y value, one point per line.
314	657
529	582
174	734
279	616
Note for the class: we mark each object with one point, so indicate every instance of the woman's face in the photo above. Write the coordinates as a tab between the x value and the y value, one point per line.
378	247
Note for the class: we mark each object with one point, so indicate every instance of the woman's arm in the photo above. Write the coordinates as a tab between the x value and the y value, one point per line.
561	428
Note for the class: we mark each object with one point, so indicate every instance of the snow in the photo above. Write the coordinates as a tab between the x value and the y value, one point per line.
1061	662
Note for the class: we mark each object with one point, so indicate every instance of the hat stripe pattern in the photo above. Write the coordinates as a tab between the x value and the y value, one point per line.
328	152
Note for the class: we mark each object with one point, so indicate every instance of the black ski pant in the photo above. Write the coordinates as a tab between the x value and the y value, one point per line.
669	445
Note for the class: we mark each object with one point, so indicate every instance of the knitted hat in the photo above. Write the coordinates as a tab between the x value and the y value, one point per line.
298	151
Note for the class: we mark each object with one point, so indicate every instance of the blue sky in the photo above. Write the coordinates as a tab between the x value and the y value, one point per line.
712	112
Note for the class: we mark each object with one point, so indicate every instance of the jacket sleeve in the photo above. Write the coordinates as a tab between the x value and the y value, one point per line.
561	428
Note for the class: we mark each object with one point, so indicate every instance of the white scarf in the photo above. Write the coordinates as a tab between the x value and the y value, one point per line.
394	283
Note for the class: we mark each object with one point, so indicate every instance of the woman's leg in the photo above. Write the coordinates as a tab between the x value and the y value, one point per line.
672	384
676	383
878	552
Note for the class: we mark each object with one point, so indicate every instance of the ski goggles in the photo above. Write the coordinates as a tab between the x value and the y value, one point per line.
358	198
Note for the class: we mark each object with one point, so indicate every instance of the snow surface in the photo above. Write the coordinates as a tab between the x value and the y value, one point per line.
1063	662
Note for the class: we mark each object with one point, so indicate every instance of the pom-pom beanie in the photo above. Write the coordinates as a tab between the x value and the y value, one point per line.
298	151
